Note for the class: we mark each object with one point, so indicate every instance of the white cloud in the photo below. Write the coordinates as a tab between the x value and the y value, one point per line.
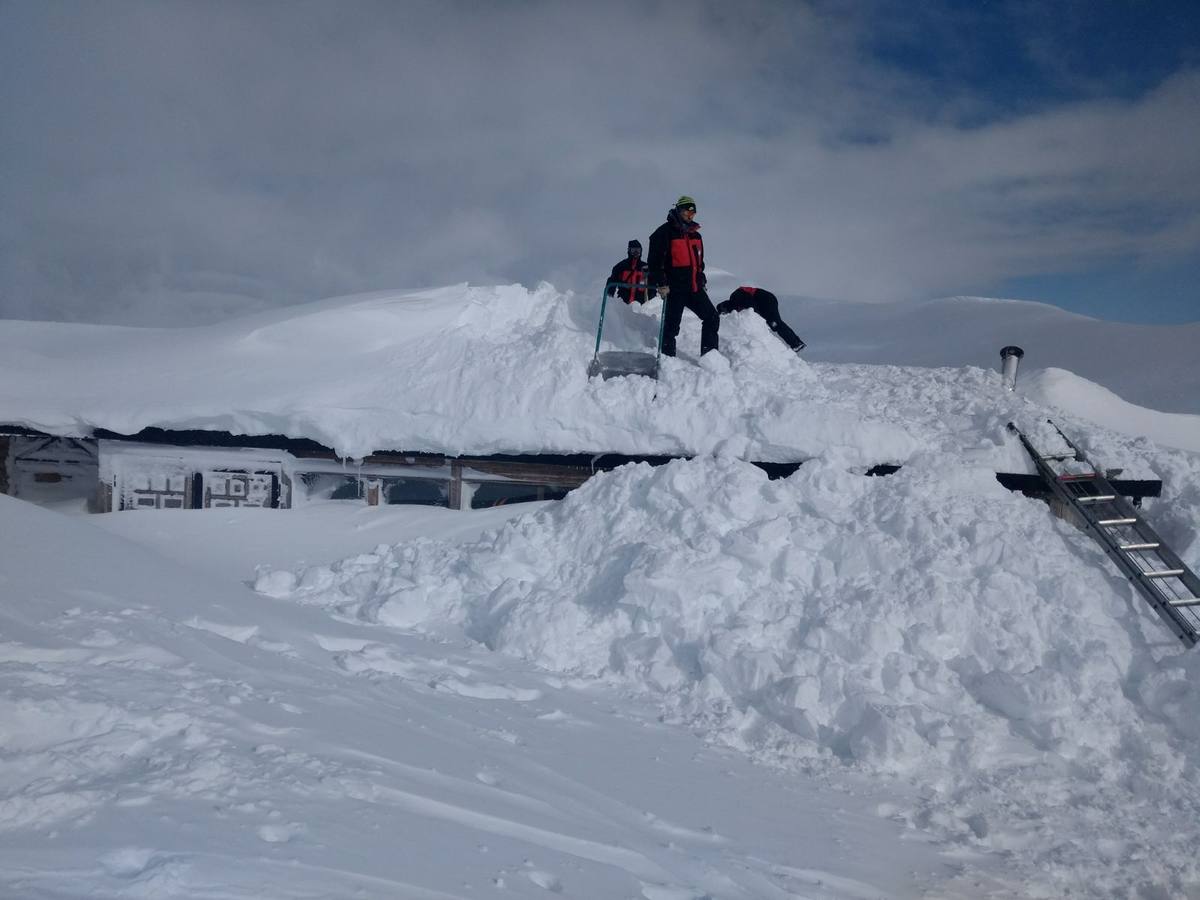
154	155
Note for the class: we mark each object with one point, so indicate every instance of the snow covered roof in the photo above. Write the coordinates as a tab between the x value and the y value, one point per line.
482	370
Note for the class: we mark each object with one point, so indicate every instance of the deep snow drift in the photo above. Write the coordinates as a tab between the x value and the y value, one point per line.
457	370
460	370
929	625
928	632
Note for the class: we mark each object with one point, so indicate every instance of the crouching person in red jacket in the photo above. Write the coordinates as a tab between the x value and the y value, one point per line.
766	305
676	263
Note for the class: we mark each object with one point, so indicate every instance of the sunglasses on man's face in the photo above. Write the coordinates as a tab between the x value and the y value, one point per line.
690	209
634	251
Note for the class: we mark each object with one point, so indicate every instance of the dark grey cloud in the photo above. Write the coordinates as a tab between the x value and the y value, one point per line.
175	162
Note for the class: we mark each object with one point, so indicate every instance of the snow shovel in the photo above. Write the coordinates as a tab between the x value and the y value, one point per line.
616	363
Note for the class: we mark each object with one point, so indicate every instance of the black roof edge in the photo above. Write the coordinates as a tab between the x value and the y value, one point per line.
1035	485
1030	485
306	447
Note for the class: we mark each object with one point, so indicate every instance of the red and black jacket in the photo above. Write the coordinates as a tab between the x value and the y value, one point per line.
676	256
632	272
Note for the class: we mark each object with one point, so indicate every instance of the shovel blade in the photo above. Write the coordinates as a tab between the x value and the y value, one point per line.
619	363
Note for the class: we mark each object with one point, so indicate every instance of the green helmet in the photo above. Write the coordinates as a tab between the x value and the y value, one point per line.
685	200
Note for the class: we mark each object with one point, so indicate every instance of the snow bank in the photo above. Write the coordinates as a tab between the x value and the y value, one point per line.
165	733
929	625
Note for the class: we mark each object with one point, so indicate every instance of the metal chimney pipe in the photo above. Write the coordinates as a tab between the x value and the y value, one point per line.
1010	359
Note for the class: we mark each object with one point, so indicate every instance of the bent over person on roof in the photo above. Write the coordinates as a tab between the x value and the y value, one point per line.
676	264
631	271
766	305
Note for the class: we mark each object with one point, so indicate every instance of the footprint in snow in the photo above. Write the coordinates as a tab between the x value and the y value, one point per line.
279	834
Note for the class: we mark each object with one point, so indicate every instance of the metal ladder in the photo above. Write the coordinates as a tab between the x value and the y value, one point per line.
1170	587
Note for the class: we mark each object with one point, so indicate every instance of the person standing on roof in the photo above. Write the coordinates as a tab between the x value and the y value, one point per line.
631	271
766	305
676	263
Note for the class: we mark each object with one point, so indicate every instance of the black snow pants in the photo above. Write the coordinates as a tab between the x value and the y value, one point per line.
676	302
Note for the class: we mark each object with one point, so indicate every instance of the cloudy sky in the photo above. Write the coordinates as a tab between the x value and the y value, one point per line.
179	162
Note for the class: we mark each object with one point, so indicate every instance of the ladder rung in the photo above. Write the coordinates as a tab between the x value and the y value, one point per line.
1163	573
1116	521
1058	457
1082	476
1185	601
1096	498
1150	545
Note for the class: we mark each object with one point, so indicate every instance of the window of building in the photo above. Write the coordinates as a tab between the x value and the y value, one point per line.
419	491
500	493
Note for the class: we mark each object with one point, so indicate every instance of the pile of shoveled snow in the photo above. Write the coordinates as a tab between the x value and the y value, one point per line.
929	625
164	732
